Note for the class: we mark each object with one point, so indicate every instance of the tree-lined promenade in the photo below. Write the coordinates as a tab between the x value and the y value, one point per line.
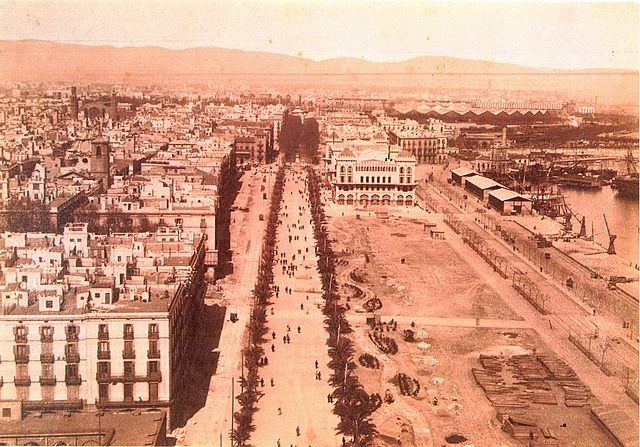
296	407
299	385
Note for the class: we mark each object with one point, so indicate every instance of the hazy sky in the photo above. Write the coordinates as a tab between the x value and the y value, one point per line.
542	34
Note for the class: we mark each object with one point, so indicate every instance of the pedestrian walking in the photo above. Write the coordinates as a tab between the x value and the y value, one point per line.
288	339
273	335
316	364
299	330
298	431
273	348
272	381
262	382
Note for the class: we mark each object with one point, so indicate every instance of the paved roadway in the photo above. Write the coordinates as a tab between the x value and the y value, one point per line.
247	232
297	398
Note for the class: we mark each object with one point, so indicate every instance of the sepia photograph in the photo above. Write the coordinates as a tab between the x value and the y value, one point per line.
298	223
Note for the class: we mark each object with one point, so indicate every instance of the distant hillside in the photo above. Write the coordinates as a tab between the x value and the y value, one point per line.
41	60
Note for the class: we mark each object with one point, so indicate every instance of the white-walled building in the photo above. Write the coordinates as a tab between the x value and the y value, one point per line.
425	145
114	332
374	177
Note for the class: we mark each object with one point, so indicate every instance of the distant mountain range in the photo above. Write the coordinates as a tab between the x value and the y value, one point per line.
42	60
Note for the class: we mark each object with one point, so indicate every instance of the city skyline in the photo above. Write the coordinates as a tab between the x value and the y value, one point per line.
278	222
539	35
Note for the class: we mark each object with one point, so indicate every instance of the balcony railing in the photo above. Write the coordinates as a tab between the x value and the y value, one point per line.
73	380
22	381
128	335
153	335
103	335
126	378
153	353
103	377
48	381
154	376
105	403
73	357
46	338
21	358
104	355
129	354
47	358
72	336
21	338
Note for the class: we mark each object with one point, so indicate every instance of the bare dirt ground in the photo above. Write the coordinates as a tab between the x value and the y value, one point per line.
443	370
432	281
443	292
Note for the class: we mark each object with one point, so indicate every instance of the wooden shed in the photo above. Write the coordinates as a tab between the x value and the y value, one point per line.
458	175
507	202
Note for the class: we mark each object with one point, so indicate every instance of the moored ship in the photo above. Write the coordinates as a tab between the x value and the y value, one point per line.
627	185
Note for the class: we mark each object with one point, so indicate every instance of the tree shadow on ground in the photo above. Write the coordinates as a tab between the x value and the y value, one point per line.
203	363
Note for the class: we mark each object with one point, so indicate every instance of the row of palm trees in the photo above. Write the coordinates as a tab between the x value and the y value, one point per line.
353	404
254	351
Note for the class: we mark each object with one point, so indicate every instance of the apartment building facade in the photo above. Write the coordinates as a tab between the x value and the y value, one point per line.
426	146
104	352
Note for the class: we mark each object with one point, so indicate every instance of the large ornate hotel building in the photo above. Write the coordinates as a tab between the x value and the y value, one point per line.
372	174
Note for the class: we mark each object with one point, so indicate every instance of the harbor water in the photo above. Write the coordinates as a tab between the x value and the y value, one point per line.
621	212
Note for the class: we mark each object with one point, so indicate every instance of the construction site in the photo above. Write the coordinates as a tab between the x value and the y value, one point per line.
469	330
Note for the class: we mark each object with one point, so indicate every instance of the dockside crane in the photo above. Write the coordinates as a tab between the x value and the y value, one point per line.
567	220
611	250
